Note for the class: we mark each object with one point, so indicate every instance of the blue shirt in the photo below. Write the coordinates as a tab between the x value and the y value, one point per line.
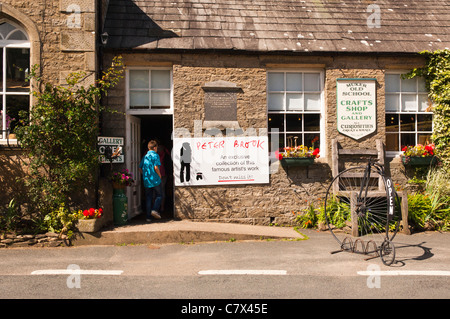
148	163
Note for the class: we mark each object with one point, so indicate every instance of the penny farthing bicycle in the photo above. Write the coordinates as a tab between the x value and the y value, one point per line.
367	197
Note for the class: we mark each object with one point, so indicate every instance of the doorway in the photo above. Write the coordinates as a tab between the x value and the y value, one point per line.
140	130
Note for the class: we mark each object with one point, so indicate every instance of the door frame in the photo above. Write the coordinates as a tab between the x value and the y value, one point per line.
133	158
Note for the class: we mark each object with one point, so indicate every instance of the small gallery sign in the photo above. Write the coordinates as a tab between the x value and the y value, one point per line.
356	107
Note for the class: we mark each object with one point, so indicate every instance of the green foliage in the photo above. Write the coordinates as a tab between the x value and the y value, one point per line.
308	218
338	212
430	209
61	221
9	217
437	77
59	135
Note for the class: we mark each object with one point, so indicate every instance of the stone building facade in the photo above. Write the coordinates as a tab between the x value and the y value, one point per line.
284	58
58	36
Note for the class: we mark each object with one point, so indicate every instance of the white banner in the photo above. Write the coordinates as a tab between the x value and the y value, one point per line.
221	160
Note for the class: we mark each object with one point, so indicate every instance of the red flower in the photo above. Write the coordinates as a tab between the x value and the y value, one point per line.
430	149
278	155
404	149
85	213
100	212
316	152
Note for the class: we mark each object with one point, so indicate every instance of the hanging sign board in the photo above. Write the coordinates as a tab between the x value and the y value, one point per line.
356	107
114	145
221	160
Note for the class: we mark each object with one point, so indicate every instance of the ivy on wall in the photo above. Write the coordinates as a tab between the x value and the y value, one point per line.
437	77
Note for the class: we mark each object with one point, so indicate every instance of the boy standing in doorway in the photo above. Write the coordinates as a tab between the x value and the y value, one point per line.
149	167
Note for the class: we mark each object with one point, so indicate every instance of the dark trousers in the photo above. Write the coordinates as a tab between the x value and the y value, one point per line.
186	166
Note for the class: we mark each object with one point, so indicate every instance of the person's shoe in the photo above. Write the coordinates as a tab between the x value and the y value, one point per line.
156	214
148	220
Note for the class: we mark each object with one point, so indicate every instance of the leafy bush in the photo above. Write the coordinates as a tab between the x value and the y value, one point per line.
61	221
59	136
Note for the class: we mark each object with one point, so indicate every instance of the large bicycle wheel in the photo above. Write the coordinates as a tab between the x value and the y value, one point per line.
371	216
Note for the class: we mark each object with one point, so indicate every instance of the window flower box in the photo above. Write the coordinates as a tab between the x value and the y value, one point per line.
297	161
419	155
297	156
419	161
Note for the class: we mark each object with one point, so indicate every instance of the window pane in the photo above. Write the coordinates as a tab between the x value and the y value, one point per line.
392	83
407	122
17	68
294	101
293	122
312	122
293	82
276	101
276	121
424	103
312	140
139	99
392	122
15	104
424	122
408	139
409	85
293	140
424	139
312	82
275	81
392	142
139	79
17	35
160	99
5	29
421	85
312	102
160	79
392	102
409	102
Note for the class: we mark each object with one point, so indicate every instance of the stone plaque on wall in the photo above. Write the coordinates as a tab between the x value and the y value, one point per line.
220	106
221	103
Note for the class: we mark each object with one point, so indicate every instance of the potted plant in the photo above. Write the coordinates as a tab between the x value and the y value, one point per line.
418	155
122	179
90	220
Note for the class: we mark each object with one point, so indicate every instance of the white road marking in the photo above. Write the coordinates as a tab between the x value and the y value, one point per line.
242	272
405	273
77	272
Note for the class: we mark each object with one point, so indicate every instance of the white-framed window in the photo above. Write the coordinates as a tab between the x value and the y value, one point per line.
149	90
14	68
409	118
294	104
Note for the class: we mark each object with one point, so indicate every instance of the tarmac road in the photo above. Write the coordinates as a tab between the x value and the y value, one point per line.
258	269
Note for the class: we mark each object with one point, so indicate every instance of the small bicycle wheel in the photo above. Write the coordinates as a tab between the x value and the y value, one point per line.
387	252
368	214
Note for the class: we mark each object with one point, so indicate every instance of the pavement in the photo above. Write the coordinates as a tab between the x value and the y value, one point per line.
183	231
